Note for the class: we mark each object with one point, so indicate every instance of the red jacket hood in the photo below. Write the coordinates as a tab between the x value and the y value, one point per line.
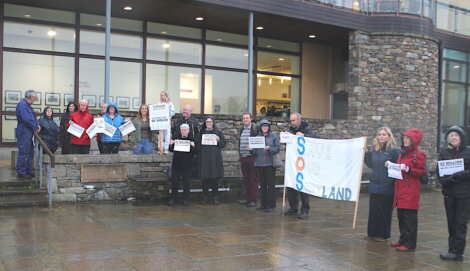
416	137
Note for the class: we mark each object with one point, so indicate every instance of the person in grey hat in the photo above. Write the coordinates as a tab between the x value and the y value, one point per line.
456	191
264	164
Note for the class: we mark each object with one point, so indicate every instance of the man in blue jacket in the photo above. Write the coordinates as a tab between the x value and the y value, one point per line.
27	125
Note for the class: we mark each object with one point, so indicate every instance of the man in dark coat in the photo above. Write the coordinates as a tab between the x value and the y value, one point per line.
27	125
299	128
186	118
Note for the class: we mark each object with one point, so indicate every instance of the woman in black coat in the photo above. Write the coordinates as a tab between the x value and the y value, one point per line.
64	135
49	129
210	158
456	191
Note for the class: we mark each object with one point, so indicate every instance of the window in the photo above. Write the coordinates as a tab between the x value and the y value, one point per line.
174	51
279	45
116	23
225	92
218	36
278	63
279	95
174	30
226	57
93	43
42	14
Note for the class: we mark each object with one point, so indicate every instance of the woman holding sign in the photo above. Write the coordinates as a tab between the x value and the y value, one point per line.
381	187
210	144
412	163
141	139
112	118
183	154
456	191
265	166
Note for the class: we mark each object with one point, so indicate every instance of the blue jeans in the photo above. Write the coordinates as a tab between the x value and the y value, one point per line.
145	146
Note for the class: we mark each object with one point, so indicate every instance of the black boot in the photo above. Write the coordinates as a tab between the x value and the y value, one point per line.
171	202
216	200
449	256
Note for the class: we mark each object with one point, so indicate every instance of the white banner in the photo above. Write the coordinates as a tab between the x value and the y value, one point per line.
182	145
257	142
325	168
449	167
75	129
109	129
159	116
127	128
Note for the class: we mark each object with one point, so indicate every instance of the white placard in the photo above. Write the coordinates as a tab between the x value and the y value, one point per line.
127	128
159	116
208	139
92	130
286	137
182	145
75	129
257	142
99	124
325	168
449	167
394	171
109	129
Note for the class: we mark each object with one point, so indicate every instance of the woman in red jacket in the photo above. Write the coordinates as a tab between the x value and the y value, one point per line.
81	145
406	200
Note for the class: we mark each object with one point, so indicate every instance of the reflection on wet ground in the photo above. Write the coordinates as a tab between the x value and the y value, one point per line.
153	236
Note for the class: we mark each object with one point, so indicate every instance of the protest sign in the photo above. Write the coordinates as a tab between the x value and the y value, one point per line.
127	128
75	129
99	124
256	142
209	139
182	145
394	171
286	137
449	167
92	130
159	116
109	130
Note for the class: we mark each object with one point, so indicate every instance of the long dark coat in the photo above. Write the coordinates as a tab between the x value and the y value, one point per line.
49	133
210	157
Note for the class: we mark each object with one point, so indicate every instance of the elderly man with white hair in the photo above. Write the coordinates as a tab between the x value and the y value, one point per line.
27	125
81	145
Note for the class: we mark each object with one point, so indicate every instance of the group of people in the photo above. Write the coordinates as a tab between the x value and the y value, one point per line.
258	166
404	194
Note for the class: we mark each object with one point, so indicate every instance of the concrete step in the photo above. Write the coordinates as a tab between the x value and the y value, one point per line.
15	183
23	200
8	192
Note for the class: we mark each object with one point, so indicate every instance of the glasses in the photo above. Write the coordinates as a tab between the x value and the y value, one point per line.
209	121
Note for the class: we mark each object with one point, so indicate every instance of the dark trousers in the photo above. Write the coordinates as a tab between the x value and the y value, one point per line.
79	149
380	215
185	177
206	183
112	147
250	177
267	186
24	162
100	146
408	224
293	196
457	211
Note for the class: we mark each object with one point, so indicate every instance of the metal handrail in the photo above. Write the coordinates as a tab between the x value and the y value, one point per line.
43	146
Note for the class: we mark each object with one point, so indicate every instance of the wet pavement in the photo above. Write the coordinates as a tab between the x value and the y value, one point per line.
153	236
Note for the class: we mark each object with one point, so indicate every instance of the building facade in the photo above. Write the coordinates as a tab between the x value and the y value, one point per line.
349	66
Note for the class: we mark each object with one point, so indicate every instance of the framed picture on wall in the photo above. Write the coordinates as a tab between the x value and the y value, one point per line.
91	100
111	99
123	102
10	109
38	98
10	117
12	96
52	98
37	110
68	98
135	103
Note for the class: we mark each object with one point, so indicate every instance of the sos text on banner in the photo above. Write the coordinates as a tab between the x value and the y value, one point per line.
324	168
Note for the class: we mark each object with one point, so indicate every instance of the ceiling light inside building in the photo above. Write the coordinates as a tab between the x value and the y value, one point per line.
99	24
128	8
163	32
456	67
281	59
166	45
27	16
245	54
51	33
219	39
199	19
312	36
268	46
259	82
270	81
259	27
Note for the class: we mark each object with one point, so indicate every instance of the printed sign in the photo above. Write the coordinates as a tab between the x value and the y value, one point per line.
209	139
127	128
394	171
182	145
159	116
75	129
109	130
449	167
325	168
286	137
257	142
92	130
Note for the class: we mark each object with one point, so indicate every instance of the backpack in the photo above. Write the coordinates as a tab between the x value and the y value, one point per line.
425	179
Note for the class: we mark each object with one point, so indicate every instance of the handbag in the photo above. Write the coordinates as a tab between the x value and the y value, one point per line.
425	179
277	162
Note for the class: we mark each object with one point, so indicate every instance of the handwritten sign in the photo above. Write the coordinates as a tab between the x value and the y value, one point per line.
75	129
286	137
127	128
209	139
394	171
256	142
449	167
159	116
182	145
109	130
